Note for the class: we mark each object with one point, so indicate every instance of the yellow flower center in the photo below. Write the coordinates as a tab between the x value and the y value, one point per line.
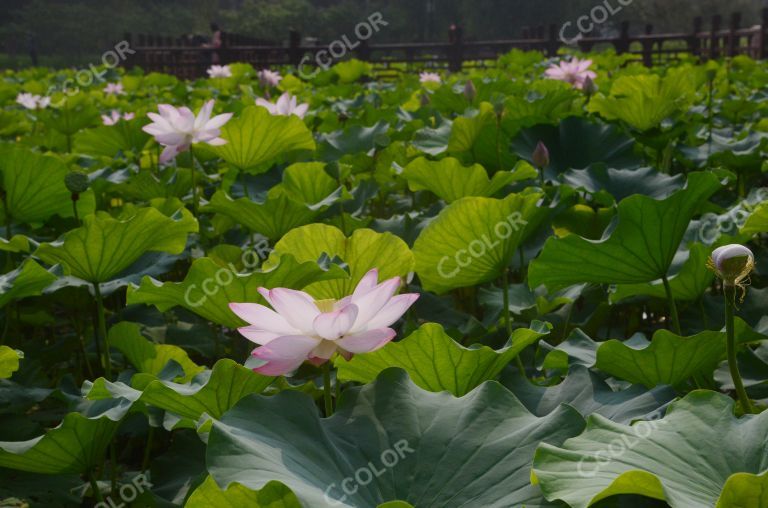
325	305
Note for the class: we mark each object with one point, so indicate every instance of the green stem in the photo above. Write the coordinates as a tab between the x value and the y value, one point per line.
148	449
672	307
327	395
508	318
95	488
733	366
74	211
194	182
106	360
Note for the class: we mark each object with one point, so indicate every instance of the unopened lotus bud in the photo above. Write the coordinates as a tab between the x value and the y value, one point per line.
732	263
540	156
425	99
76	182
470	92
590	88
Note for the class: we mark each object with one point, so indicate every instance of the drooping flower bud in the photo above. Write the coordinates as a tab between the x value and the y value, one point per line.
470	92
540	156
733	263
590	88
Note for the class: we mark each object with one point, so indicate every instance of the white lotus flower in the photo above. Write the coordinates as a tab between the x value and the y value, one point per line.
31	101
269	78
178	128
114	116
219	71
286	105
114	89
733	263
430	77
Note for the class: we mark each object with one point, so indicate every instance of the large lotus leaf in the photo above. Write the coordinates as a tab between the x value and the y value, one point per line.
645	101
688	285
727	149
146	356
34	187
272	495
640	249
622	183
273	218
433	141
438	363
75	446
424	448
209	287
104	246
18	243
477	136
110	140
352	140
757	222
473	239
212	392
589	393
577	349
9	361
363	251
256	138
669	358
698	453
450	180
578	143
28	280
308	183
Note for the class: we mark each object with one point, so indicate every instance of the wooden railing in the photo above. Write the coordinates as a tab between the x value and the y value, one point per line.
178	57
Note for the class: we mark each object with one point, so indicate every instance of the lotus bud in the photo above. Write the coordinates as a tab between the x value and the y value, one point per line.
76	182
425	100
540	156
732	263
470	92
590	88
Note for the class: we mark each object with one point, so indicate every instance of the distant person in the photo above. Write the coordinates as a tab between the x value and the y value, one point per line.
215	43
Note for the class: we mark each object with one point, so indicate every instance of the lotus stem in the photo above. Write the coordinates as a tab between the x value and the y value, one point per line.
102	330
327	395
672	307
733	366
507	317
194	181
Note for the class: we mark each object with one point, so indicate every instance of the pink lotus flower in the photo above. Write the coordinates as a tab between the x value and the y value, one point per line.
269	78
114	89
219	71
286	105
301	329
430	77
30	101
574	72
178	128
115	117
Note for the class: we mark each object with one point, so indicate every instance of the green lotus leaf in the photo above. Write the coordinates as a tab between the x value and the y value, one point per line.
698	453
104	246
687	285
622	183
34	187
644	101
578	143
209	286
9	361
256	138
640	249
211	392
757	222
308	183
450	180
438	363
363	251
75	446
473	239
30	279
110	140
272	495
589	394
146	356
424	448
17	243
351	141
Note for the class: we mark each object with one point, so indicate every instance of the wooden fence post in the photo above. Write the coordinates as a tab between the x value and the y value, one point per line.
456	49
294	48
553	43
763	37
648	47
714	37
622	44
694	43
733	38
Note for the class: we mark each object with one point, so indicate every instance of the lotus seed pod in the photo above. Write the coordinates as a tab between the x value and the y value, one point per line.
733	263
590	88
540	156
77	182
